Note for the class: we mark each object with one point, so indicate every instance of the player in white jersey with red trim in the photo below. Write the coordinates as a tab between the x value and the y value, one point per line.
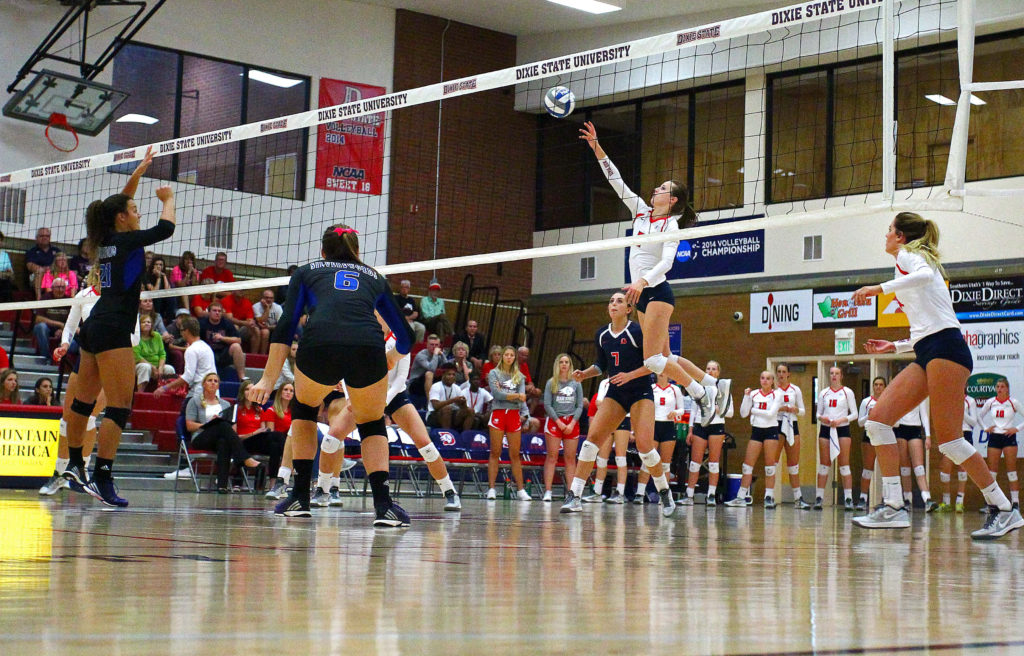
791	408
914	440
836	409
762	406
668	404
939	373
867	452
998	416
649	290
709	436
946	467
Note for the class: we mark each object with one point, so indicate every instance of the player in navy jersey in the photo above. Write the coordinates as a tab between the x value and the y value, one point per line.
620	354
342	340
117	247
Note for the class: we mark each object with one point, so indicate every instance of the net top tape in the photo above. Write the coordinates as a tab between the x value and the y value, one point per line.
805	12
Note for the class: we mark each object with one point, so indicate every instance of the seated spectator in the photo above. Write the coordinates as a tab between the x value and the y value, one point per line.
80	264
426	362
185	274
278	417
146	309
200	303
446	406
463	367
150	355
59	270
477	343
238	309
43	394
9	387
6	274
410	308
174	343
39	258
266	313
493	358
49	322
256	437
156	279
219	271
433	314
523	354
222	337
199	360
5	361
149	260
210	431
287	376
478	400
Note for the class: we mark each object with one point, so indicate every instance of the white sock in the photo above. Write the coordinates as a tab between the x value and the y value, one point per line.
62	464
959	498
926	496
446	484
620	488
819	492
689	492
336	482
769	493
908	497
743	493
848	493
711	489
945	499
797	494
660	482
323	481
598	486
892	491
695	389
864	496
577	486
1015	496
708	380
995	497
285	474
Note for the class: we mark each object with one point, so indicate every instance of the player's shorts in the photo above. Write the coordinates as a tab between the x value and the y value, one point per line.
842	431
506	421
97	336
947	344
1000	441
333	396
969	436
705	432
662	292
74	354
796	429
908	432
759	434
630	393
664	431
401	399
624	425
360	366
551	428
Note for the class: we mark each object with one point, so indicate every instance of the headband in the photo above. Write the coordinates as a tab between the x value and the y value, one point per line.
344	231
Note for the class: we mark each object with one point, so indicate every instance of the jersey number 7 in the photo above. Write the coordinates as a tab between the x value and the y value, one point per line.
615	356
346	280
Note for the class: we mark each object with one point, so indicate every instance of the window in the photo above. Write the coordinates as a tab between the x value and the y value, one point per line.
996	147
799	131
666	137
926	81
587	268
617	130
190	94
12	204
220	231
857	142
812	247
718	148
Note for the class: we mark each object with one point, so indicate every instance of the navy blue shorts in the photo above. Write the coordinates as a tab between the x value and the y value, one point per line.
796	429
74	354
401	399
97	336
1000	441
630	393
662	292
904	432
624	425
946	344
704	432
664	431
969	436
759	434
842	431
333	396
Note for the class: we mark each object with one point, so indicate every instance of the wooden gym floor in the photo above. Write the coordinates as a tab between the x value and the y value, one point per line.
209	574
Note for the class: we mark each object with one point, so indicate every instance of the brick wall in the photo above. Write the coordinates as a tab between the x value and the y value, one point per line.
487	158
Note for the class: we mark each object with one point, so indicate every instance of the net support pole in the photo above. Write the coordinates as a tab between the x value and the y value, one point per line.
956	167
888	100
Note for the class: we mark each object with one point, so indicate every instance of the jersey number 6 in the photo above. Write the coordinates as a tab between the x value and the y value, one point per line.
346	280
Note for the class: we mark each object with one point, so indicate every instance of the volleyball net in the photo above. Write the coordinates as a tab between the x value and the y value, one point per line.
803	114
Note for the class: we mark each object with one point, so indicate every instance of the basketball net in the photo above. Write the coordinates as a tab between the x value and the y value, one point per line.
60	134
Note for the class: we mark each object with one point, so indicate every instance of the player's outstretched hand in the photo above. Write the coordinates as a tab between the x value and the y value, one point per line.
147	159
588	133
879	346
164	193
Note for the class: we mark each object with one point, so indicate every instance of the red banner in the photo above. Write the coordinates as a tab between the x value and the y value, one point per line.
350	152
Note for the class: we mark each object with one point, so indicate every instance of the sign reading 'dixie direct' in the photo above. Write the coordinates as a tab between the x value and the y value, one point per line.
837	308
781	312
988	300
28	447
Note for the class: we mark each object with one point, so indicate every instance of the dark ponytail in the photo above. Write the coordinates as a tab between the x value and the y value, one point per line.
99	221
682	207
340	243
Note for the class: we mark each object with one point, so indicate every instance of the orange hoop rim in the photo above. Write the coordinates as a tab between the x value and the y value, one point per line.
61	120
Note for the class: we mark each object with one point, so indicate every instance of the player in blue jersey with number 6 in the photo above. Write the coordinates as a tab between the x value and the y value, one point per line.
342	340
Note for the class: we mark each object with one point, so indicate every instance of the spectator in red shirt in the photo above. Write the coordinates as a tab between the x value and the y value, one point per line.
278	417
201	302
239	310
256	437
5	362
9	387
219	271
493	358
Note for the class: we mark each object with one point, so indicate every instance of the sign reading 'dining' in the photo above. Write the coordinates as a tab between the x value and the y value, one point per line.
781	312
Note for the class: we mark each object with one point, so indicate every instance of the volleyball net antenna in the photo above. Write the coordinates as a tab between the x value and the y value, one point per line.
741	111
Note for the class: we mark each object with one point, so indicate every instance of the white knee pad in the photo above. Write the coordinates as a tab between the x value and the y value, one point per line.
588	452
823	470
651	459
919	470
63	428
957	450
747	469
879	433
713	467
672	357
694	466
620	461
769	470
793	470
602	463
330	444
943	477
90	423
656	363
961	476
905	471
844	470
1011	475
867	474
665	466
429	453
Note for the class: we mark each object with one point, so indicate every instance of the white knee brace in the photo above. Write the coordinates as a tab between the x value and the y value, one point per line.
602	463
713	467
844	470
957	450
879	433
747	469
588	452
620	462
905	471
961	476
823	470
919	470
769	470
650	459
867	474
943	477
330	444
1011	475
90	423
429	453
794	470
656	363
694	466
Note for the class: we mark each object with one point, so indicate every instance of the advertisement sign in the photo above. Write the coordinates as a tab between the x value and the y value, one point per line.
28	447
988	300
996	348
780	312
890	312
837	308
721	255
675	338
350	151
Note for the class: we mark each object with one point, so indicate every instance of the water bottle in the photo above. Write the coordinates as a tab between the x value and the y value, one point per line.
507	494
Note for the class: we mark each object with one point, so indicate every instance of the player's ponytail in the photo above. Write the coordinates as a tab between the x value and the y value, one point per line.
340	243
682	207
922	237
99	221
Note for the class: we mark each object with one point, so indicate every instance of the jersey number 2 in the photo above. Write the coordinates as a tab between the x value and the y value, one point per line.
346	280
105	275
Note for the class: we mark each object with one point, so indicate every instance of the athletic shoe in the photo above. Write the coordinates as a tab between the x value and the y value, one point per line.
292	507
668	504
335	495
711	500
453	503
1015	506
861	504
491	494
547	496
944	508
884	516
686	501
817	503
722	397
638	500
320	499
348	464
184	472
848	504
737	502
615	498
523	495
392	516
998	523
593	498
572	504
652	496
930	506
53	486
75	475
800	504
278	490
707	408
106	492
769	503
959	507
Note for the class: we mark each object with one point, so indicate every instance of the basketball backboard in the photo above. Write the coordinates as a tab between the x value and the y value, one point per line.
88	105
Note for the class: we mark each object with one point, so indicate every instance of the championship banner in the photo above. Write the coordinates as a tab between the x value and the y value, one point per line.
717	255
350	151
28	447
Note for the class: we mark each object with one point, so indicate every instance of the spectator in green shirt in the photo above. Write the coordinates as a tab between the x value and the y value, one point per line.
150	356
433	314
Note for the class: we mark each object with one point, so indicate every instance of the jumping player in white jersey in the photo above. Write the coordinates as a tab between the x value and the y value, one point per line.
939	373
867	451
998	416
792	407
946	467
649	290
762	406
836	409
914	440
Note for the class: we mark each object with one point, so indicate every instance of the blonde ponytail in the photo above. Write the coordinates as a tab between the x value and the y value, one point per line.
922	237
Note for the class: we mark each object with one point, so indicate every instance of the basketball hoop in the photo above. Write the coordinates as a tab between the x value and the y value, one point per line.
60	134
